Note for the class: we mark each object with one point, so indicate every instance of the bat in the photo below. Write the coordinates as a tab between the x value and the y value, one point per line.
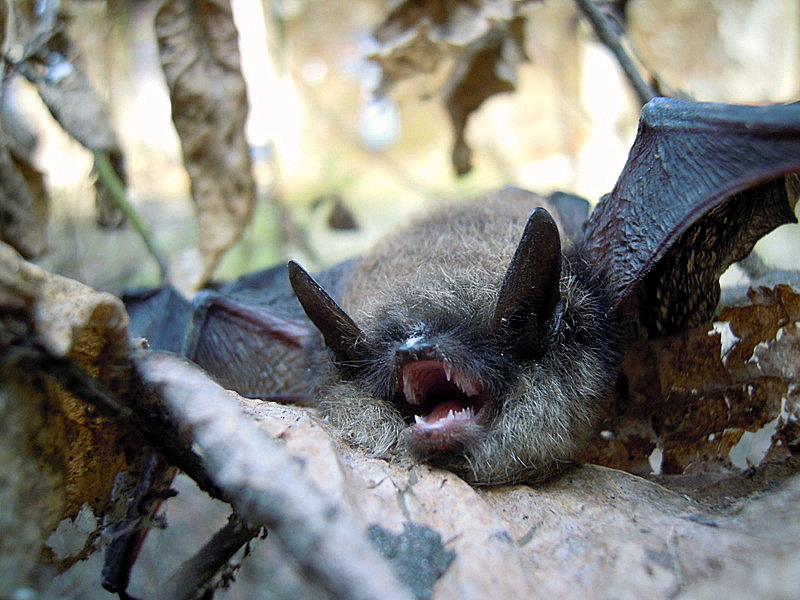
484	337
469	340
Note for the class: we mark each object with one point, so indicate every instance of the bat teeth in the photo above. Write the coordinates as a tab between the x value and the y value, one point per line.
465	414
418	378
409	389
465	384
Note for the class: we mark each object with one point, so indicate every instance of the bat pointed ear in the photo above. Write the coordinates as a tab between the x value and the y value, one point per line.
528	309
342	336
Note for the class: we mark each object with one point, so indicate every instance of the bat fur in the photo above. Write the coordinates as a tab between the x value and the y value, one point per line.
438	279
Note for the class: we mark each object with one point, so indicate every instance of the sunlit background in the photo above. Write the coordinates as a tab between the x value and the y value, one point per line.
319	132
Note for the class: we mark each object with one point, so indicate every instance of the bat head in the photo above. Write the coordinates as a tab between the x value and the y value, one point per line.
473	369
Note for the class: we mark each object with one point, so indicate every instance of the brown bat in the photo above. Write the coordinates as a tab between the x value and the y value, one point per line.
484	337
474	343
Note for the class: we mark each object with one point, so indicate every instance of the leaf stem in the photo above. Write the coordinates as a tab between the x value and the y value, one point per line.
107	174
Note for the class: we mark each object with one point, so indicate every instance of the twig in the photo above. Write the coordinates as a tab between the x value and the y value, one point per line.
107	174
267	487
608	35
197	571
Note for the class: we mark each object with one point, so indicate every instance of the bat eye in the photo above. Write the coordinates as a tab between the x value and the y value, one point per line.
528	306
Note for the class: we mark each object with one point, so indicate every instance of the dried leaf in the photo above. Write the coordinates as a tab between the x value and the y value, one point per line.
414	36
32	490
200	56
51	62
77	451
479	44
24	202
591	532
710	399
485	68
68	95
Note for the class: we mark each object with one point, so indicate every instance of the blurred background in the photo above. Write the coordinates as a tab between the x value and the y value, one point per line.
337	162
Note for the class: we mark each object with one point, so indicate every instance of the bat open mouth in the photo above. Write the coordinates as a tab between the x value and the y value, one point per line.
449	406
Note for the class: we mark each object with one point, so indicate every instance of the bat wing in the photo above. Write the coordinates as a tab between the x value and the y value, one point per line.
158	315
703	182
253	336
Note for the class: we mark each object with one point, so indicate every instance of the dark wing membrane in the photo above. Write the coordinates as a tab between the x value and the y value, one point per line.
248	348
702	183
253	337
159	316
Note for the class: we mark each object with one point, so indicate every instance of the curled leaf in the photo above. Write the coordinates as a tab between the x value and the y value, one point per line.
710	399
478	44
590	529
485	68
52	63
199	50
47	320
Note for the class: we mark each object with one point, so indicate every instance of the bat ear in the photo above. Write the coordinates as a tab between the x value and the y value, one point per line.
342	336
528	307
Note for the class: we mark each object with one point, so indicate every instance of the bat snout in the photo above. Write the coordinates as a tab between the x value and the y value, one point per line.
415	348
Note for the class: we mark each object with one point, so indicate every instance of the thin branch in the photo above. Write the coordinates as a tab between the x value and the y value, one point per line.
607	31
197	571
107	174
267	487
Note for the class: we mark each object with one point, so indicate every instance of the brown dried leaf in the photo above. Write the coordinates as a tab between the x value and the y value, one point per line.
480	43
485	68
591	532
710	399
415	36
68	95
200	56
77	108
52	62
67	438
24	202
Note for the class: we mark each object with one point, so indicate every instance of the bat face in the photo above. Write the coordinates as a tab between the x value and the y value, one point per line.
466	347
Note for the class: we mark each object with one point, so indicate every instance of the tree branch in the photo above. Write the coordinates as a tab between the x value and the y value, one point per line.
610	37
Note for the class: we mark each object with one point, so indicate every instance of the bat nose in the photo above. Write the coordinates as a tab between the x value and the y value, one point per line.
415	348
